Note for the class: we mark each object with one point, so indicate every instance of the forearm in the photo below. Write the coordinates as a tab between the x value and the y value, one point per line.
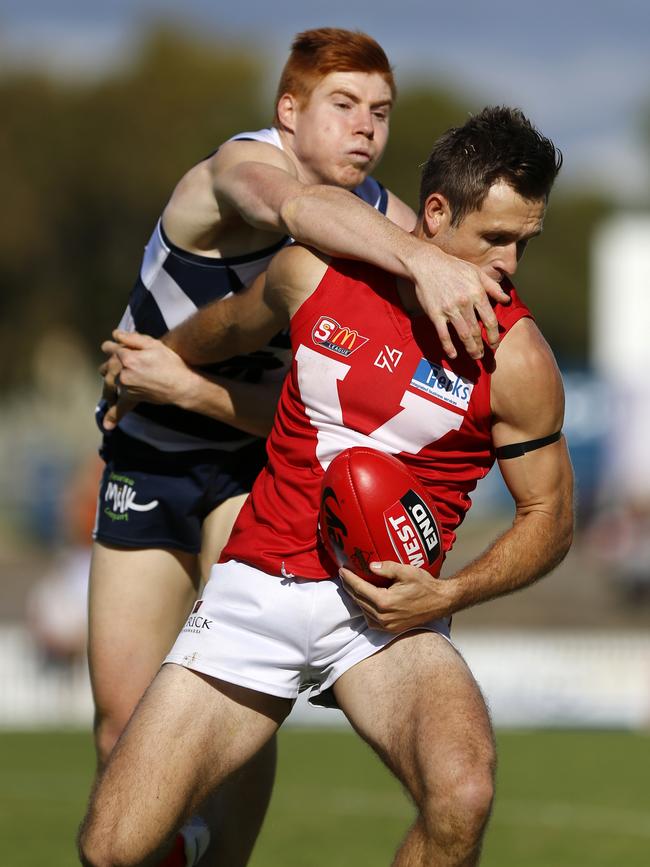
532	547
227	327
338	223
202	339
246	406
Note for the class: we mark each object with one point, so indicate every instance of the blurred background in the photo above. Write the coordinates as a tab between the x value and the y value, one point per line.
104	106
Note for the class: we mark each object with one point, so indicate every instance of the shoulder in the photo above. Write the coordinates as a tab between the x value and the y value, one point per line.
296	262
526	380
236	151
294	273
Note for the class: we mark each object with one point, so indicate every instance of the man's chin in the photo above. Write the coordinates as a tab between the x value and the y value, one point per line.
351	176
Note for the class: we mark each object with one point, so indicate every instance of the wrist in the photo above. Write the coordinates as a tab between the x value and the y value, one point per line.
453	588
418	256
189	390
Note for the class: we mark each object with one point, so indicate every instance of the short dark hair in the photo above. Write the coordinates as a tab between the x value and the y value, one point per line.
497	144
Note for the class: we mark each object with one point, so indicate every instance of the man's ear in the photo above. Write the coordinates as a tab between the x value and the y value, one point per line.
436	214
286	110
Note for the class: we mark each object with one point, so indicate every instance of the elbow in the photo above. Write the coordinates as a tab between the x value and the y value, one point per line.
564	530
564	546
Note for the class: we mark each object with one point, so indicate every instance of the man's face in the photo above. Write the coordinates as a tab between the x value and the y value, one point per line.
341	133
495	236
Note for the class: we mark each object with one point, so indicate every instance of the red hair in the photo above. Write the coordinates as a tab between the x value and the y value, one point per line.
316	53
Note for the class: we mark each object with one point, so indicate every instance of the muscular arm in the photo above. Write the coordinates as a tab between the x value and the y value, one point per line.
154	373
259	182
151	370
528	404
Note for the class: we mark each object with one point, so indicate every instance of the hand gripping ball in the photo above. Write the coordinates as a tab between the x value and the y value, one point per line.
373	508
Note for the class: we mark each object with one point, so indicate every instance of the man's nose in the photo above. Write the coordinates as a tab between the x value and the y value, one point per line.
364	124
509	260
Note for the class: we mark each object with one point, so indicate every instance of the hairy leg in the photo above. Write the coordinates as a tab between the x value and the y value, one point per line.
138	602
236	812
417	704
188	734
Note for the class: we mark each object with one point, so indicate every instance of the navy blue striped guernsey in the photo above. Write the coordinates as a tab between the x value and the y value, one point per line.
171	286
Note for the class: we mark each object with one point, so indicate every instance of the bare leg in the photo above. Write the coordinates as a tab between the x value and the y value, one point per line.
188	734
138	602
215	532
236	812
417	704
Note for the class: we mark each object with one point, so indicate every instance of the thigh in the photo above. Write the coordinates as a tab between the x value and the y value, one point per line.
186	736
138	602
417	704
216	530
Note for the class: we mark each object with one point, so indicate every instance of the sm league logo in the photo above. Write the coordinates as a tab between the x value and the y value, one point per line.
340	339
440	382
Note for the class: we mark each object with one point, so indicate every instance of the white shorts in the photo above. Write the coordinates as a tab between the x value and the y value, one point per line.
278	635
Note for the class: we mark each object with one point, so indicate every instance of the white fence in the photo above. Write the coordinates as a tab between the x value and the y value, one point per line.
530	679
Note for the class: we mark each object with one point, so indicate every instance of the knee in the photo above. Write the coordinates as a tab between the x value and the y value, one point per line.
100	842
458	806
99	850
91	851
470	799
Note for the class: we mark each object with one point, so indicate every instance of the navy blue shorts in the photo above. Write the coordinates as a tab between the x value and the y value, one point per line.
154	499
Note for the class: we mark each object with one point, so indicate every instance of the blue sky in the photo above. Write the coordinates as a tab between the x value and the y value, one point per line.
579	68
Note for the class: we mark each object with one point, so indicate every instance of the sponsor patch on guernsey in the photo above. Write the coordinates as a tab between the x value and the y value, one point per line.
340	339
412	530
438	381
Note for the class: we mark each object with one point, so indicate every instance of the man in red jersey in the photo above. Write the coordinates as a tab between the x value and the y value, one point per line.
174	480
275	617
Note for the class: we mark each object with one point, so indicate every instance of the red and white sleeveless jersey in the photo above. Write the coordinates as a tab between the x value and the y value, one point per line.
364	373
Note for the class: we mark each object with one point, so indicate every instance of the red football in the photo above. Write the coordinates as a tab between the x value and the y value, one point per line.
373	508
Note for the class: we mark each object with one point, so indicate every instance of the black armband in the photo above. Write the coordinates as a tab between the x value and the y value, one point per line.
516	450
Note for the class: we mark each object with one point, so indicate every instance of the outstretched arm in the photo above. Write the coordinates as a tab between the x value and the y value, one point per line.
528	405
141	368
252	180
152	372
450	291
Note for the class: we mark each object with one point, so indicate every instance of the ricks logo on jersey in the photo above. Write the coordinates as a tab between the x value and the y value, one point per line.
438	381
413	530
339	339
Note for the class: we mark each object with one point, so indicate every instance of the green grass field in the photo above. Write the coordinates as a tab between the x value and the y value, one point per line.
565	799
